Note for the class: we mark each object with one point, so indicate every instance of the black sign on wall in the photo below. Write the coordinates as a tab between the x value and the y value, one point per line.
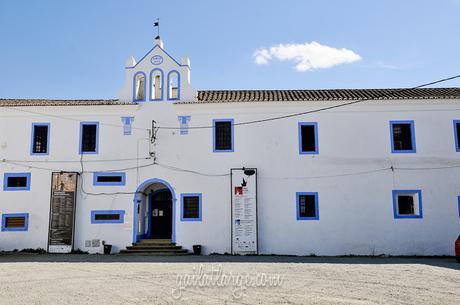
62	212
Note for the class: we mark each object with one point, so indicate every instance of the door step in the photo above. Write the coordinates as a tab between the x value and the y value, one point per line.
155	247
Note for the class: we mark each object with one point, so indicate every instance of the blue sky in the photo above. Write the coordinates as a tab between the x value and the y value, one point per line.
77	49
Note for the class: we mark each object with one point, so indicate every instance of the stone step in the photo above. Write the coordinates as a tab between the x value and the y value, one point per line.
154	252
156	241
124	252
153	247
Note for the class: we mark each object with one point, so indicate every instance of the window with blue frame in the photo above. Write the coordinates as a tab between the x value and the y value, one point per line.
109	178
307	206
223	135
308	138
89	137
457	135
173	85
16	181
458	202
407	204
40	139
190	207
107	216
402	137
15	222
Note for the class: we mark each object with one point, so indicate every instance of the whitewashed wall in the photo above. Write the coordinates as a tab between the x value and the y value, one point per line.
356	211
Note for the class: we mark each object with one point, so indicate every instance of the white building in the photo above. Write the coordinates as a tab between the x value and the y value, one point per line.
377	177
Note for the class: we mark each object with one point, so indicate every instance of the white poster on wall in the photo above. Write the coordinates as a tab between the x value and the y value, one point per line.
244	210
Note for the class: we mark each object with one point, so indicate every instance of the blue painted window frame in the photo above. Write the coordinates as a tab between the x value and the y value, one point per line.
80	145
457	144
151	92
395	206
32	142
182	196
134	87
315	125
109	174
178	85
23	229
112	212
298	194
214	135
412	130
22	188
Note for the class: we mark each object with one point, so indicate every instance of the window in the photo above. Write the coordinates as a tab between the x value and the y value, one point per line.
109	179
307	206
457	135
15	222
109	216
402	137
173	85
139	87
458	202
190	207
40	138
89	137
16	181
308	138
156	85
407	204
223	135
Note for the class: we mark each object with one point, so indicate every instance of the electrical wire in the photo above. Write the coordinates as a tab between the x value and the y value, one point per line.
190	171
317	110
75	161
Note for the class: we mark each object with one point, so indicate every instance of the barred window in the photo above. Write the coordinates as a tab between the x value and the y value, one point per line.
223	137
308	141
40	139
89	137
191	205
307	206
403	136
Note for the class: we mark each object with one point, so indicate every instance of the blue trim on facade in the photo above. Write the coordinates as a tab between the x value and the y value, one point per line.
134	87
316	151
32	142
156	46
169	85
458	202
457	145
214	135
121	213
127	125
5	181
80	148
298	194
137	200
162	85
412	130
182	196
109	174
26	222
395	206
183	122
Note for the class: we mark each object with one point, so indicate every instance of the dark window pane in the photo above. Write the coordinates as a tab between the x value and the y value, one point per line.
40	141
89	138
457	130
191	207
107	217
308	138
15	222
402	137
406	205
223	134
307	206
17	181
109	179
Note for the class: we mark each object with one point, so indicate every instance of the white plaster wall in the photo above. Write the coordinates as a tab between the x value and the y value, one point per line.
356	211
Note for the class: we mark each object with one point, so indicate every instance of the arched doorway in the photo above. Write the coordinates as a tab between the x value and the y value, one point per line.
154	211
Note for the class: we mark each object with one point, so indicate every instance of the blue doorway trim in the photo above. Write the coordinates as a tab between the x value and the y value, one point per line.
138	199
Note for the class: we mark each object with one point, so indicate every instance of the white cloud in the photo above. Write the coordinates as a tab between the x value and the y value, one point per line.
307	56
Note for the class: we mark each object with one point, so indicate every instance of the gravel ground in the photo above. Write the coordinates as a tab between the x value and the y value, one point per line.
97	279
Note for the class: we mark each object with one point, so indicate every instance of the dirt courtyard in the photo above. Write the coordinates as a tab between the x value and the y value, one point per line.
91	279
